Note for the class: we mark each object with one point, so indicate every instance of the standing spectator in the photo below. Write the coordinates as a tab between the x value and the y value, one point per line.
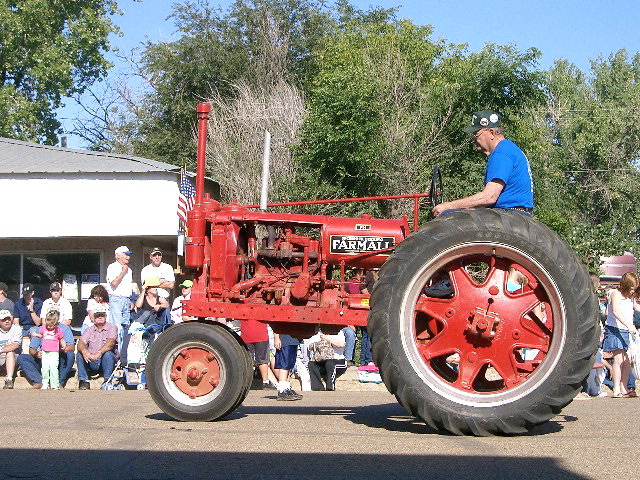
52	344
286	354
176	307
27	309
31	362
255	335
328	366
365	343
57	302
160	270
10	339
5	303
119	288
98	300
618	327
350	337
96	350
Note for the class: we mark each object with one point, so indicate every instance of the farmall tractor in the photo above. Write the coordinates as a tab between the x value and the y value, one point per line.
486	360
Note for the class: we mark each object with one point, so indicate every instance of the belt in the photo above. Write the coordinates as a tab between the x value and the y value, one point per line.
522	209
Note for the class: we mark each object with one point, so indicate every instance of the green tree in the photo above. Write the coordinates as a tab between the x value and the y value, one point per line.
592	155
48	50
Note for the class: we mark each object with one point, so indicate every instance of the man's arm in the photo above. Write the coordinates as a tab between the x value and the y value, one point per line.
116	281
486	198
10	347
108	346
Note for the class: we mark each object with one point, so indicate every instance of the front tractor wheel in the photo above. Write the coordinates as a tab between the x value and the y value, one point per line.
506	346
198	372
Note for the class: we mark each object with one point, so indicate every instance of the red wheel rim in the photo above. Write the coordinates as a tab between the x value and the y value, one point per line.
195	372
485	341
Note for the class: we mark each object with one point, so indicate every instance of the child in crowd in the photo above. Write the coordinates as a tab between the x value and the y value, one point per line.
52	343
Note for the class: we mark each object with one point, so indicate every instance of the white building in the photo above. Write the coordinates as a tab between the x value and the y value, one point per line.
65	211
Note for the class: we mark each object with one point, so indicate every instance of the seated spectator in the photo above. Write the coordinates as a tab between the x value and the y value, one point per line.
96	349
327	360
176	307
10	340
26	311
151	304
58	303
5	302
31	363
98	299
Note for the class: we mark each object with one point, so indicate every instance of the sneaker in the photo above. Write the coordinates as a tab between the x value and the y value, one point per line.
8	384
84	385
288	395
602	395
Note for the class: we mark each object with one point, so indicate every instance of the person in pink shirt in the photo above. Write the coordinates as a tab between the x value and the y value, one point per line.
52	343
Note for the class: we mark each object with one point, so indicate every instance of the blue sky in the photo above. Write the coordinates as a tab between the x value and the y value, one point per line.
578	31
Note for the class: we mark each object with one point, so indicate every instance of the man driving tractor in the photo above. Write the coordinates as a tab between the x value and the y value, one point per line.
508	182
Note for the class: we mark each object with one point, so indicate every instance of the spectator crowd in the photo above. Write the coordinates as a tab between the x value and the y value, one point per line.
36	336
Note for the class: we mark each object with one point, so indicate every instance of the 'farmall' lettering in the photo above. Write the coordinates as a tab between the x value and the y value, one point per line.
354	244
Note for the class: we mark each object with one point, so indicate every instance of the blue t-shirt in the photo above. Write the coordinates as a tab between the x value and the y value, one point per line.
36	343
21	311
508	164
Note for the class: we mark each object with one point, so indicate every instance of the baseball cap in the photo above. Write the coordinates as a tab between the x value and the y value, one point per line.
27	288
156	250
123	249
5	314
187	284
55	286
3	287
99	311
484	119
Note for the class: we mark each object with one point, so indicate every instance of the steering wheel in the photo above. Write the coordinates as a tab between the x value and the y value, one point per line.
436	191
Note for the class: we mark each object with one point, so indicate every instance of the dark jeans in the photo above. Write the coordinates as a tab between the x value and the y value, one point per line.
329	370
365	347
104	364
32	367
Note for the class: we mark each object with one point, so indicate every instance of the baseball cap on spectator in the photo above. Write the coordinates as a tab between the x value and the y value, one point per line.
187	284
156	250
4	288
123	249
55	287
5	314
484	119
99	311
27	289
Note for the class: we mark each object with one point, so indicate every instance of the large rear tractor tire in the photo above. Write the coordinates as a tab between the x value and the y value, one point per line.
198	372
485	359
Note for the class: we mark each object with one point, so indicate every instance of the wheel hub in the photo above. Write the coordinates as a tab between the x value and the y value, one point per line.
195	372
482	324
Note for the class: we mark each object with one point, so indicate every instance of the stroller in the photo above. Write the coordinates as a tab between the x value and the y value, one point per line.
129	372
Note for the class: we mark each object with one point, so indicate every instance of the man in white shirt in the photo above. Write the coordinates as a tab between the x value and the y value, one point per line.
160	270
176	308
119	287
10	340
57	302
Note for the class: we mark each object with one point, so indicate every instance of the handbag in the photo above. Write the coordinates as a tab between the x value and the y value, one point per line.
321	350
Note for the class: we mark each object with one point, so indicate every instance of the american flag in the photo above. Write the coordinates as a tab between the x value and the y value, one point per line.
185	199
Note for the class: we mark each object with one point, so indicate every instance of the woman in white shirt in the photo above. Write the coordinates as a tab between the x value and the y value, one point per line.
331	364
619	325
99	299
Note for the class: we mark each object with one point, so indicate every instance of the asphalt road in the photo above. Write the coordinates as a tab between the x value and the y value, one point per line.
328	435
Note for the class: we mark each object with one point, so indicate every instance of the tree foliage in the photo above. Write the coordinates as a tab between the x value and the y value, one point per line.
48	50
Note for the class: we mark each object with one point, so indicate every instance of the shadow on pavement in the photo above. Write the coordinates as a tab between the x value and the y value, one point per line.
391	417
133	464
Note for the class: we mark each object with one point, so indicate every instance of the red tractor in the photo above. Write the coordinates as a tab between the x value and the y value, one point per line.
486	359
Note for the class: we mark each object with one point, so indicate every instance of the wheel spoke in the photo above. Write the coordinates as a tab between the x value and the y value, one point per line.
505	364
467	371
